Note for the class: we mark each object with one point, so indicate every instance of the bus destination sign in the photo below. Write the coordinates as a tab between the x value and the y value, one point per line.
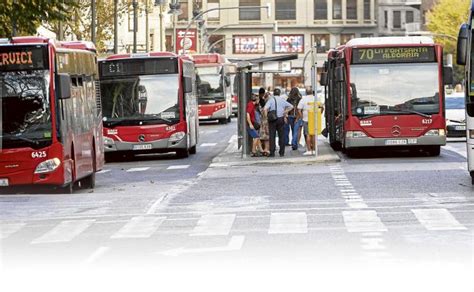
393	55
15	58
134	67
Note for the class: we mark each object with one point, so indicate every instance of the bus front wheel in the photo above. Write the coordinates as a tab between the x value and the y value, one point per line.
433	150
182	153
192	150
223	121
472	177
88	182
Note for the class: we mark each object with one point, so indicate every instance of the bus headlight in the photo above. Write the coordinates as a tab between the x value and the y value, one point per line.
108	141
48	165
436	132
177	136
355	134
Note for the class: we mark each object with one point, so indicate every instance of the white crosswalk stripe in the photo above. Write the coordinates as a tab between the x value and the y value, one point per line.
292	222
103	171
139	227
138	169
437	219
363	221
174	167
208	144
214	225
64	231
8	229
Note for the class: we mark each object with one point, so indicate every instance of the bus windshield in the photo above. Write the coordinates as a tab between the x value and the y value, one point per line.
150	99
394	89
25	107
210	84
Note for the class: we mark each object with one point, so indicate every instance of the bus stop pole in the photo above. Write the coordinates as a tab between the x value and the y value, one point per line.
243	97
314	85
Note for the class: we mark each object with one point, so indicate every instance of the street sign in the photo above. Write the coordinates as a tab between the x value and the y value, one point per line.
186	42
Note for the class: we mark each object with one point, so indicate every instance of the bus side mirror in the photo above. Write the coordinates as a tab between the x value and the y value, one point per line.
448	75
323	80
339	74
63	86
188	84
461	50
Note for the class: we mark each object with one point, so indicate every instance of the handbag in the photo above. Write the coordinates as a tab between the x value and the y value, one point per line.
272	115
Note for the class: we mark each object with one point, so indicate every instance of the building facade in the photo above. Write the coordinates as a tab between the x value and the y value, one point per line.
399	17
302	24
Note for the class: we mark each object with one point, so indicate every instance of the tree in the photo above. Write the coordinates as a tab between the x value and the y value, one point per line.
444	21
23	17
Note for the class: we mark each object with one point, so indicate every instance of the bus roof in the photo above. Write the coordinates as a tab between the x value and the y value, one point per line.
147	55
213	58
380	41
75	45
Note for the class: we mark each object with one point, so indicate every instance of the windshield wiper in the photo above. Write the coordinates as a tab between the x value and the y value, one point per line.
158	119
20	138
410	112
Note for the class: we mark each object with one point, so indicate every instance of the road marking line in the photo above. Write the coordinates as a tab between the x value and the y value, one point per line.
233	139
363	221
373	243
437	219
208	144
284	223
95	255
235	243
137	169
213	225
348	190
174	167
139	227
64	231
357	205
103	171
8	229
452	149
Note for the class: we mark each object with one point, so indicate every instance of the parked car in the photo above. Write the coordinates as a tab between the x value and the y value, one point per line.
456	115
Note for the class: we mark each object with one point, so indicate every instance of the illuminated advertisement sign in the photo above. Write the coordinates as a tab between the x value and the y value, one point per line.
187	43
249	44
288	44
393	55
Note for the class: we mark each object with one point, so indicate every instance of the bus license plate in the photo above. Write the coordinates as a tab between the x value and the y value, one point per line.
396	142
3	182
460	128
142	147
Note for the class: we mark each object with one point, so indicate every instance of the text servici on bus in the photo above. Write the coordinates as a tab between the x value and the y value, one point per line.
465	56
214	87
51	123
386	92
149	104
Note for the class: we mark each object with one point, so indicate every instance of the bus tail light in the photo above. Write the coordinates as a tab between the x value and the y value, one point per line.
48	166
436	132
177	136
355	134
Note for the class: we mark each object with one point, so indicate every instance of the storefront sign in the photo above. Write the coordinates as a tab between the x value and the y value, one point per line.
188	42
249	44
288	44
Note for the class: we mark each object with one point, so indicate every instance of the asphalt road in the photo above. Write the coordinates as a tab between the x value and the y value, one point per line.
414	214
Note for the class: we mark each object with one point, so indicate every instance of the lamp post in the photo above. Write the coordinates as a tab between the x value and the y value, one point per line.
135	22
268	7
175	10
116	26
93	19
159	4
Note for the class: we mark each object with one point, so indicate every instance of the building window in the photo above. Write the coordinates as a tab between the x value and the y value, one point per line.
366	35
218	44
249	44
184	8
321	42
410	17
249	14
346	37
367	9
213	15
285	9
351	9
320	9
337	9
385	19
397	19
169	43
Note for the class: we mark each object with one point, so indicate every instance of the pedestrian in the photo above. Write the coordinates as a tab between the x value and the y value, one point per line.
252	125
294	98
305	105
264	130
276	110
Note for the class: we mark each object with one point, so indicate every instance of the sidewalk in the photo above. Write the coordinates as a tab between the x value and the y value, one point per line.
232	156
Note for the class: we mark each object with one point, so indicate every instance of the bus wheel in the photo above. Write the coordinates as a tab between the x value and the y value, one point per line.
182	153
88	182
472	177
192	150
433	150
336	146
352	152
229	119
223	121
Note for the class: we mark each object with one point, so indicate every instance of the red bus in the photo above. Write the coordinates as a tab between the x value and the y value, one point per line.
386	92
51	123
214	87
149	104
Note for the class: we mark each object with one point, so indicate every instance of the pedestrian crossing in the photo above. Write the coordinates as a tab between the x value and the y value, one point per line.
365	222
145	169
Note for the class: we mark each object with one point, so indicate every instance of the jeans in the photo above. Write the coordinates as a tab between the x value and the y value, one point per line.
288	126
296	128
274	127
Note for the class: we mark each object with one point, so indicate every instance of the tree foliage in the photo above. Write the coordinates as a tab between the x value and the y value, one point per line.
23	17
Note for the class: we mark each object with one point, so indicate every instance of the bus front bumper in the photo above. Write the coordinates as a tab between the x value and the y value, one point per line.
390	142
162	145
220	114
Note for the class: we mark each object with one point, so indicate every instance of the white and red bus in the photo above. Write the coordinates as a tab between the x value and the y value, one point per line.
149	104
386	92
214	87
51	122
